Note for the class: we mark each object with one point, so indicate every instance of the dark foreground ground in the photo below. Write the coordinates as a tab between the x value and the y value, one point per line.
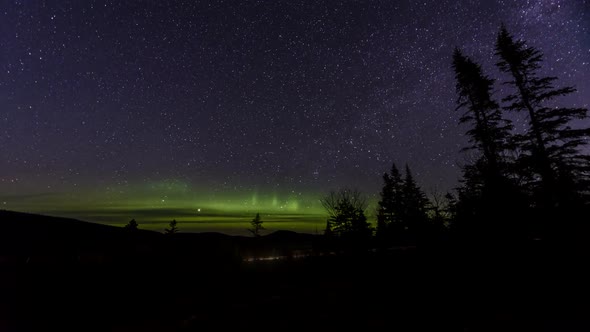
535	286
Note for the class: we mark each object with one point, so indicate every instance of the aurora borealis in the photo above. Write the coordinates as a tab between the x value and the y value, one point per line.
155	204
209	112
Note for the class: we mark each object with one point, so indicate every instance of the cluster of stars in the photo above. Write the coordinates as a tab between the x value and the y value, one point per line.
276	95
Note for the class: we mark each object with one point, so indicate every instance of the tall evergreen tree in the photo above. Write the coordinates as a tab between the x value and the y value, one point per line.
551	144
490	133
389	207
415	207
487	189
403	209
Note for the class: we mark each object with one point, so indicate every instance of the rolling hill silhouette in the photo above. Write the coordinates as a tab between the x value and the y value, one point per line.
38	238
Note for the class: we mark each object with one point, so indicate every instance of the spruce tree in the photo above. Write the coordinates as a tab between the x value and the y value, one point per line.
487	192
552	146
132	225
490	133
173	229
415	204
390	206
256	225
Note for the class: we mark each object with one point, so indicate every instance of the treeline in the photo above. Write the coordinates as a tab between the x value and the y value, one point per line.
525	184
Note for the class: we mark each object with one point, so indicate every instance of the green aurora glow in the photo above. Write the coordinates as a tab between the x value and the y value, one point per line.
154	204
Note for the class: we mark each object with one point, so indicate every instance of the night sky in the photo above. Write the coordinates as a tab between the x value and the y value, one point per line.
112	110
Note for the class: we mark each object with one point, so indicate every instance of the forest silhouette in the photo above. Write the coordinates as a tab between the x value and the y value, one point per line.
520	185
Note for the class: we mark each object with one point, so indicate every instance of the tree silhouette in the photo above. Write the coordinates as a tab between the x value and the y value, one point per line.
346	217
402	212
490	133
173	229
389	212
328	229
256	225
551	144
415	205
487	188
439	209
132	225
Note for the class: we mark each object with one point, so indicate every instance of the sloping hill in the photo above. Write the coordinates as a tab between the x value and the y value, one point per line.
40	224
25	234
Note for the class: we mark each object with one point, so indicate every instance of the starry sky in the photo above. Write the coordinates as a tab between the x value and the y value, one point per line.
209	111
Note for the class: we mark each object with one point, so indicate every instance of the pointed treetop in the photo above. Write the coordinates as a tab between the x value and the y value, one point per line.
458	55
132	225
256	225
409	176
173	229
394	171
